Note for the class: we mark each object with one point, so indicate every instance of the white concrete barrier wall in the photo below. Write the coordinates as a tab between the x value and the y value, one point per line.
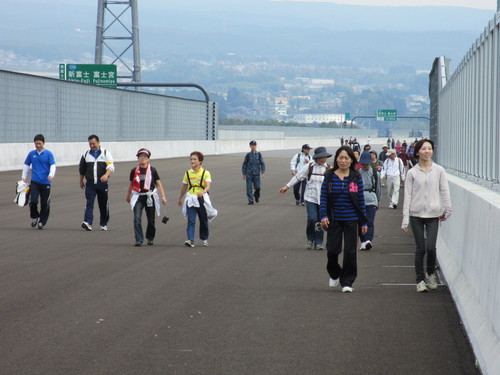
469	256
14	154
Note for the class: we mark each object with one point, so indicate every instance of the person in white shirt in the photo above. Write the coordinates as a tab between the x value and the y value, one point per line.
313	174
296	164
426	203
394	172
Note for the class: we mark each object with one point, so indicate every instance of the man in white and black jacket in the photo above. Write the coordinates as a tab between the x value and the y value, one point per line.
96	165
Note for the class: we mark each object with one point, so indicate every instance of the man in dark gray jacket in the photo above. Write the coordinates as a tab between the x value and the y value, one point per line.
252	169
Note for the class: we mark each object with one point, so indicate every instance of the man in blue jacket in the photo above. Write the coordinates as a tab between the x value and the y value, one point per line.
253	168
43	170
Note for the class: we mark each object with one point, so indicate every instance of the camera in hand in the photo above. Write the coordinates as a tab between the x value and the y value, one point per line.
165	219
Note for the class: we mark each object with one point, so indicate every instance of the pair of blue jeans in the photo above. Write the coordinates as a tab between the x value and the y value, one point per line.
201	212
100	190
312	218
253	182
371	211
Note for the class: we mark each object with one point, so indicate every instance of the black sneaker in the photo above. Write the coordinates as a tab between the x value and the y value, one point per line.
150	243
250	203
138	244
34	222
256	200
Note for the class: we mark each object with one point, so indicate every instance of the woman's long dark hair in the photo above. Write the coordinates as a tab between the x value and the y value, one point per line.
350	153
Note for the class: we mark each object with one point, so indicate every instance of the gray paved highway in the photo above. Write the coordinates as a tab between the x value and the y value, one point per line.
253	302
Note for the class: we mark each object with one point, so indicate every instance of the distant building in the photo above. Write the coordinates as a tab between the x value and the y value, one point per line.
310	118
281	107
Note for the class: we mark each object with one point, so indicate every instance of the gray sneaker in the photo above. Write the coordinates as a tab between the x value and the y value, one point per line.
431	281
189	243
318	246
310	245
205	243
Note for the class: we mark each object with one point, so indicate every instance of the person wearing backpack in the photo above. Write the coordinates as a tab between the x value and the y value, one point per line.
394	172
252	169
372	193
313	174
296	164
342	212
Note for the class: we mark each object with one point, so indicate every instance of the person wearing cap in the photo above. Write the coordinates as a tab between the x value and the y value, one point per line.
394	171
253	168
145	192
96	165
296	164
312	174
43	170
383	154
342	212
372	194
195	188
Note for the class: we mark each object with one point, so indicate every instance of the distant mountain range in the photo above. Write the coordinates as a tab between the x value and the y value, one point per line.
292	32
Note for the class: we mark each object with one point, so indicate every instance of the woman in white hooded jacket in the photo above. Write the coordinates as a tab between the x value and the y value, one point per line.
426	203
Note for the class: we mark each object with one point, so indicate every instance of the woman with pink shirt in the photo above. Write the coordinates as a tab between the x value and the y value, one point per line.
426	203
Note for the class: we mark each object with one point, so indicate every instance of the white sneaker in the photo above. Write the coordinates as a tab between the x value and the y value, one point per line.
318	246
347	289
205	243
86	226
104	227
333	283
421	287
431	281
310	245
363	245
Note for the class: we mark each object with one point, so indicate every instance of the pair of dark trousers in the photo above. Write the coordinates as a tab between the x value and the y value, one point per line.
298	190
191	216
253	182
346	232
150	215
371	211
101	191
312	219
425	231
41	191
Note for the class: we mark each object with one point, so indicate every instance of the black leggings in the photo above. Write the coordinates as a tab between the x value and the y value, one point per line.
425	231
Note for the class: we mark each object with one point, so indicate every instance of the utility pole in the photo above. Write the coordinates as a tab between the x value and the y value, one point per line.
119	37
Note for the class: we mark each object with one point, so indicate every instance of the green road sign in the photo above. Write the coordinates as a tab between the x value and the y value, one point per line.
347	116
386	115
92	74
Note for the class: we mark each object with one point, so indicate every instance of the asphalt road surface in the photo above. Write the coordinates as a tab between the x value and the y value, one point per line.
254	302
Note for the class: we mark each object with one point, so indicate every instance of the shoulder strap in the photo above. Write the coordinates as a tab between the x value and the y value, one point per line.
298	161
310	172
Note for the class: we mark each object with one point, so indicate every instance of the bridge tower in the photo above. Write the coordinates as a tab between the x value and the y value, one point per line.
120	35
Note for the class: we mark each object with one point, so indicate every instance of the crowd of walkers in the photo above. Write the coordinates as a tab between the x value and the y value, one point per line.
341	199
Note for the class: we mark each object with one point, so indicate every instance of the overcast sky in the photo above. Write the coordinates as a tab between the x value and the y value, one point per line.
478	4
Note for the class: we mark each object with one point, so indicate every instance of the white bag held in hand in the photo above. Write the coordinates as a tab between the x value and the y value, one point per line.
22	193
